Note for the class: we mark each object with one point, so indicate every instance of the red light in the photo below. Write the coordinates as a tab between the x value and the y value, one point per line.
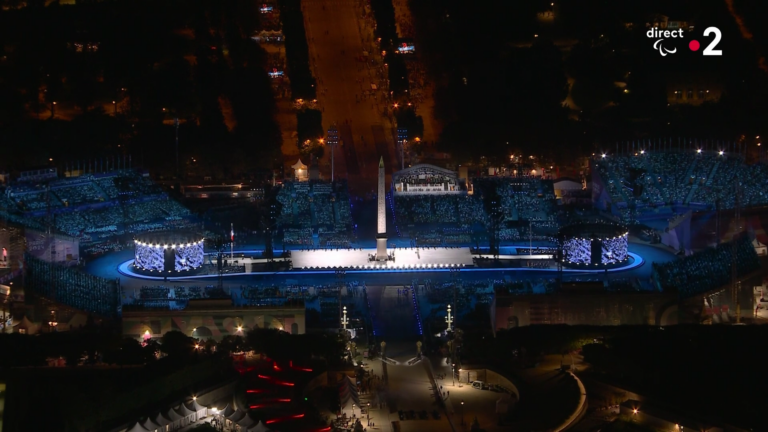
296	416
263	377
284	383
257	406
255	391
299	368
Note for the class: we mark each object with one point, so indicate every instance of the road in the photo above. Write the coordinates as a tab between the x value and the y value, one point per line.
337	39
393	319
408	386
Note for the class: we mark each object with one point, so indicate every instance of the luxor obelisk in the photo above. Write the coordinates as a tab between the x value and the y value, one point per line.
381	233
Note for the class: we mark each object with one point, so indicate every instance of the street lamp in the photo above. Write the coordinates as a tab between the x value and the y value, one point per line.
453	374
462	412
449	318
344	320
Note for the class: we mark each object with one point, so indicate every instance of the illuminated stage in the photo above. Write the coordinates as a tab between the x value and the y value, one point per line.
432	260
405	258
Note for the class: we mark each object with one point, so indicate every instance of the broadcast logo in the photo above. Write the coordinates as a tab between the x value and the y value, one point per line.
665	46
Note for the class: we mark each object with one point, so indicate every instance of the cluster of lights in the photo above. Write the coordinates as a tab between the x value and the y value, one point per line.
385	267
151	257
166	246
416	309
720	152
613	250
602	239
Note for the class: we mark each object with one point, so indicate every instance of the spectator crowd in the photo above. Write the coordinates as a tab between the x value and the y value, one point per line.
707	270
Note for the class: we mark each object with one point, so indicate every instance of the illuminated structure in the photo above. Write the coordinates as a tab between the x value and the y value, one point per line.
168	252
424	179
381	233
593	245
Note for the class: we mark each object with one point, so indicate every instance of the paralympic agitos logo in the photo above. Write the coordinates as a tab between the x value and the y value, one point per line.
665	41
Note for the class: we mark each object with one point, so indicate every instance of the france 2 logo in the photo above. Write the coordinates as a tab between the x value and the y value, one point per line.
661	37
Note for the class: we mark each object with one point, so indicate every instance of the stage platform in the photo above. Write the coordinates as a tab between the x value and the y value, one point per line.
320	262
405	258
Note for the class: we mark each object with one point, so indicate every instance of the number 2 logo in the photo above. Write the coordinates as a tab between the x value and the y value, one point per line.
710	49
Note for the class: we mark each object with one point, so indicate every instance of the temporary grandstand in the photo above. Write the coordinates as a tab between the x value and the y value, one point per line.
94	208
707	271
431	206
650	184
315	213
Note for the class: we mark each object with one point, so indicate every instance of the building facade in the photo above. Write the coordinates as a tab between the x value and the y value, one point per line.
212	319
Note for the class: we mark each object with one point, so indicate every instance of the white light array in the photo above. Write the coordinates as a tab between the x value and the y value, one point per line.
187	256
385	267
579	250
166	246
606	238
614	250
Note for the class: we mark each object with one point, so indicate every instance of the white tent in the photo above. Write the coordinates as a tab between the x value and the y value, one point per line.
234	417
260	427
136	428
200	411
300	171
174	417
245	423
161	421
187	414
227	411
151	426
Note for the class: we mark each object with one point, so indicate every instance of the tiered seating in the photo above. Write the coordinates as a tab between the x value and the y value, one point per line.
37	200
682	177
81	194
297	236
107	185
321	206
95	208
707	270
